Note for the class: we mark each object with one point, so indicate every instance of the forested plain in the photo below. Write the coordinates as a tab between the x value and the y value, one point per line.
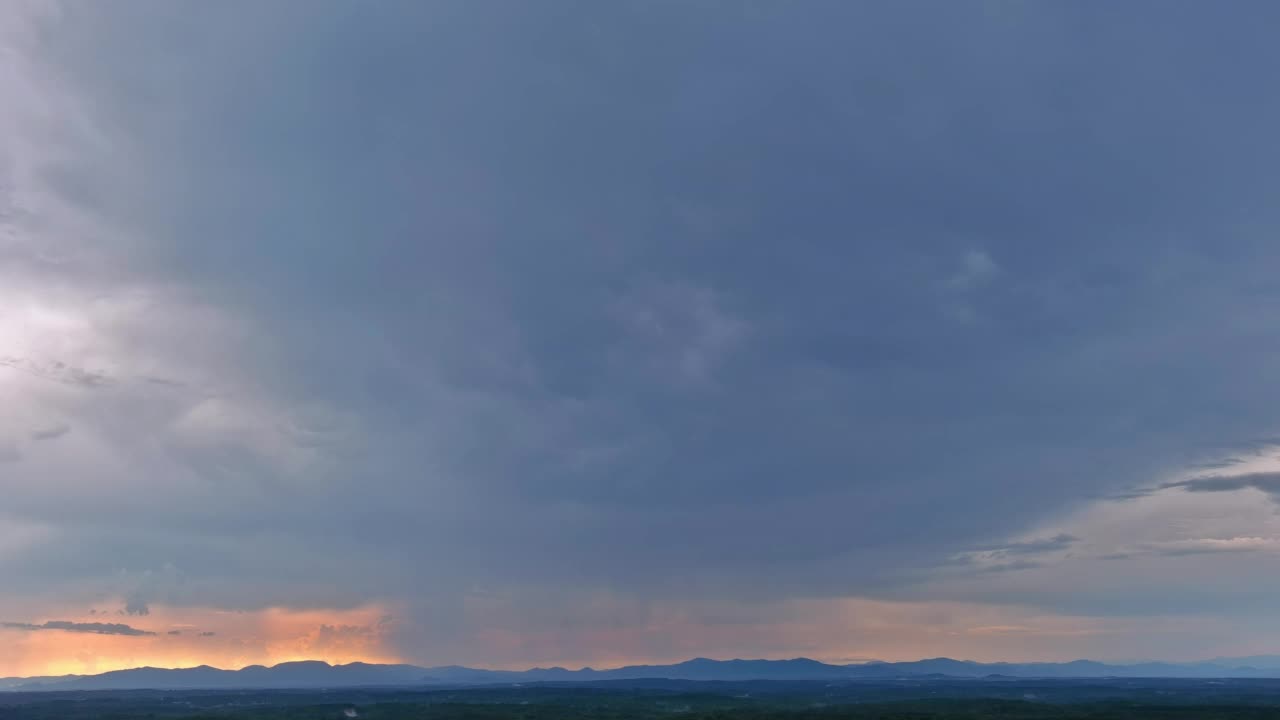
924	699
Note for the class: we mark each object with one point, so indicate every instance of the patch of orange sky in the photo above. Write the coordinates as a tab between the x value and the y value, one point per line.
188	637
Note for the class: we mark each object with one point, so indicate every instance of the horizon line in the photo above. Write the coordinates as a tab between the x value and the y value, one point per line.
586	668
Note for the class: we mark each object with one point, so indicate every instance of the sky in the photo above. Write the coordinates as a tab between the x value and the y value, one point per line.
510	334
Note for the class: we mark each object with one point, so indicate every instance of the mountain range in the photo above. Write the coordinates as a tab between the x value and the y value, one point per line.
316	674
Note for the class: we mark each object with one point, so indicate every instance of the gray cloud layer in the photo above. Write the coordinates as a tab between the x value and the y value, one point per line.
657	299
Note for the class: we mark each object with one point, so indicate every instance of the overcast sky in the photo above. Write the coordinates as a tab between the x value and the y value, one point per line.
510	333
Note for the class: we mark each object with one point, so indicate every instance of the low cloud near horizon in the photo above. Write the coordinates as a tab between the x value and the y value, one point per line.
514	334
95	628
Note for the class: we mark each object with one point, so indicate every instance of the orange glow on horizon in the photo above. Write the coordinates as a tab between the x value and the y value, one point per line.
189	637
498	636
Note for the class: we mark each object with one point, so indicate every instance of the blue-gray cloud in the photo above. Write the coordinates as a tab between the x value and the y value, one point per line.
656	298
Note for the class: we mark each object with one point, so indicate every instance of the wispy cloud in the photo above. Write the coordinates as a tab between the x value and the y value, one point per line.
1061	541
1203	546
58	371
1012	556
1267	482
50	432
976	269
94	628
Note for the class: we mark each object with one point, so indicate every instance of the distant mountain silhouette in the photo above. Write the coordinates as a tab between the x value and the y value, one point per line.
12	683
316	674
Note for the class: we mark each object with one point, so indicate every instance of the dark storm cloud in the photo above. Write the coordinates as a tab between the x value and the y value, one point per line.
95	628
666	297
